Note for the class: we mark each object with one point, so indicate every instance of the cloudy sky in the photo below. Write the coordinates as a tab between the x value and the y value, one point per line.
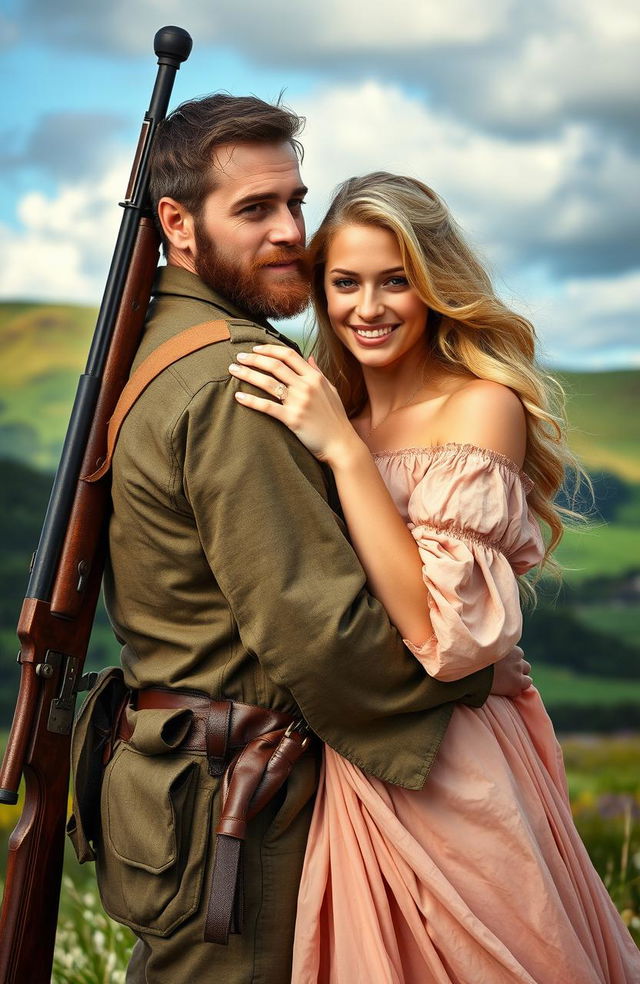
522	115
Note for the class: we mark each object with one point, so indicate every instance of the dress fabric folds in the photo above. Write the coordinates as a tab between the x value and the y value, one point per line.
480	877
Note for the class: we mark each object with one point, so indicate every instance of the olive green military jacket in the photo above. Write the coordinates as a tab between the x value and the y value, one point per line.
230	571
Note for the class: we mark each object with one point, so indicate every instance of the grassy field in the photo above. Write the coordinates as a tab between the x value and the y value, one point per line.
561	686
605	549
623	622
629	512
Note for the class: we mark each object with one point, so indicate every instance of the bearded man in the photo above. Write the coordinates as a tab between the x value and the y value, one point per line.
240	603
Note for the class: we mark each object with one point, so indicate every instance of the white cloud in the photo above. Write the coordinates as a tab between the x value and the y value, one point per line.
339	26
33	269
591	322
554	200
551	203
63	249
547	77
507	64
303	29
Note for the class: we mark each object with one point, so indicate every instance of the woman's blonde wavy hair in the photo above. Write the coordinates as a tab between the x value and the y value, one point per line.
470	329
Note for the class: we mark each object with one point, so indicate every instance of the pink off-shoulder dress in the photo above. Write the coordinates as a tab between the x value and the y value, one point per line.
480	877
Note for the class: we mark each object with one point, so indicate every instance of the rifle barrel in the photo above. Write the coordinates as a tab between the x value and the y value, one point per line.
54	642
172	46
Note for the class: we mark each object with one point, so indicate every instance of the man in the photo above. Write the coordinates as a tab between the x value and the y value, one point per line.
230	574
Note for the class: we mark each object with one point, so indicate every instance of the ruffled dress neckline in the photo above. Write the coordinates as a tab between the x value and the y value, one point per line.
458	450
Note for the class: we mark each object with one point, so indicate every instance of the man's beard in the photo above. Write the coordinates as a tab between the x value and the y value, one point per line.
244	286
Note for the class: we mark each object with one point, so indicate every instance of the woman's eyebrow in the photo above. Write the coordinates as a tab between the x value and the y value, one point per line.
382	273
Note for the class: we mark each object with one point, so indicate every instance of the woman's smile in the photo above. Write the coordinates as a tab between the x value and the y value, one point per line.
372	335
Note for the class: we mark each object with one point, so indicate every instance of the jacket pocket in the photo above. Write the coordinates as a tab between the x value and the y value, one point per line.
156	828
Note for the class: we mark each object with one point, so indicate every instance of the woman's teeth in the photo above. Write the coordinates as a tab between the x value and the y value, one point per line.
373	332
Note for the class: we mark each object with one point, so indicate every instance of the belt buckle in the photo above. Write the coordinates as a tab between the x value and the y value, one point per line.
301	727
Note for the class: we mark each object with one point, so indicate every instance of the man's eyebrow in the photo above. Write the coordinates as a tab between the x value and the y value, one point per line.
352	273
269	196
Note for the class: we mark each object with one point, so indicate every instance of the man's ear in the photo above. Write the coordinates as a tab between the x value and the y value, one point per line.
178	225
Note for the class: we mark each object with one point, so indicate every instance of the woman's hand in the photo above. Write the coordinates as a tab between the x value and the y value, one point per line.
511	674
306	401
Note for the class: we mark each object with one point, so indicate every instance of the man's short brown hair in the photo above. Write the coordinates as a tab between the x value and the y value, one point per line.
186	140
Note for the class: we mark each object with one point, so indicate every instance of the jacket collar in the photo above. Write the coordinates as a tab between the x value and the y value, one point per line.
174	280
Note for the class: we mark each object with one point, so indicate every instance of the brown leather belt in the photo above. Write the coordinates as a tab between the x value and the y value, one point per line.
253	749
219	728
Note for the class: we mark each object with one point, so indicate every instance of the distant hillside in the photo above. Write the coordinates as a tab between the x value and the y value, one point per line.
603	414
43	349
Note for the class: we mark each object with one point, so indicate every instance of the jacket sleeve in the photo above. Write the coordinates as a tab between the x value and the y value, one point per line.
297	591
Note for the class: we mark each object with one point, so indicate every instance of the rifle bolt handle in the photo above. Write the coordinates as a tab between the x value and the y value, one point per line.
83	570
44	670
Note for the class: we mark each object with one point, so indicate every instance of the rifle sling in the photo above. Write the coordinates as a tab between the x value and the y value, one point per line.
191	340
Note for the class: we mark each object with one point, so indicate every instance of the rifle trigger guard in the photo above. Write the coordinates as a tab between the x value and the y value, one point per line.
62	708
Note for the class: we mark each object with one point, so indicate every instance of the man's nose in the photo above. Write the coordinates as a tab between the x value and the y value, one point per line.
287	229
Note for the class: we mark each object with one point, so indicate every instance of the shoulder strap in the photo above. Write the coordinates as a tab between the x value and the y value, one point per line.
191	340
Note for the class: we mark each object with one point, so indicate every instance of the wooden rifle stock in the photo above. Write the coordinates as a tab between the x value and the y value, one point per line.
57	614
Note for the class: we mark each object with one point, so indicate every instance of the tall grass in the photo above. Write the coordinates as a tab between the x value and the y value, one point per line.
90	947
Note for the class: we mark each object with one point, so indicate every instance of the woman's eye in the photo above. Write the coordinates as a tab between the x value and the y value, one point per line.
343	283
397	281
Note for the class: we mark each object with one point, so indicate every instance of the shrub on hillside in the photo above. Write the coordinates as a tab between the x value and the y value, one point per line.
557	637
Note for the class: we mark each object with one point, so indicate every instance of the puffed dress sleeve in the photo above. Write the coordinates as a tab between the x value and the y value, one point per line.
470	519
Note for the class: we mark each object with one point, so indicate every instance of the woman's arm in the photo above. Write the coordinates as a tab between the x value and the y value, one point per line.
314	412
384	545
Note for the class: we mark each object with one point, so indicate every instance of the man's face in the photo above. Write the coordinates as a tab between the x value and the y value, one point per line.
249	235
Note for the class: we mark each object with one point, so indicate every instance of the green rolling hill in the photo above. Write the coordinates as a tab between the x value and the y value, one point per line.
604	420
43	349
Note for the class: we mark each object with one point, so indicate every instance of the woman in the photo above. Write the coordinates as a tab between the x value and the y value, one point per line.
438	428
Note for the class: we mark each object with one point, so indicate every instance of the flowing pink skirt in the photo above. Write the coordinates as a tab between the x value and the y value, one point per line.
479	878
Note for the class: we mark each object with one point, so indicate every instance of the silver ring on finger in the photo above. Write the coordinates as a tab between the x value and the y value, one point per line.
281	392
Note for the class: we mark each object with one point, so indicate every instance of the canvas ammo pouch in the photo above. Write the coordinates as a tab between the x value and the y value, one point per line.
171	751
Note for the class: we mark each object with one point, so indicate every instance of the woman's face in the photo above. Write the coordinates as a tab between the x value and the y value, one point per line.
373	309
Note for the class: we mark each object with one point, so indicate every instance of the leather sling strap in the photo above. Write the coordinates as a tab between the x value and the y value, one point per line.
250	781
191	340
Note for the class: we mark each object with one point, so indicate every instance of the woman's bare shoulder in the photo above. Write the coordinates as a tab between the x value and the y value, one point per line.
487	415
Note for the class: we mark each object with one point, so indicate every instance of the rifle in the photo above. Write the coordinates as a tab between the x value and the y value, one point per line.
59	608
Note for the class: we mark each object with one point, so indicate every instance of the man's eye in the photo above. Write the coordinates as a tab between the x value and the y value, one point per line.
296	204
256	209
